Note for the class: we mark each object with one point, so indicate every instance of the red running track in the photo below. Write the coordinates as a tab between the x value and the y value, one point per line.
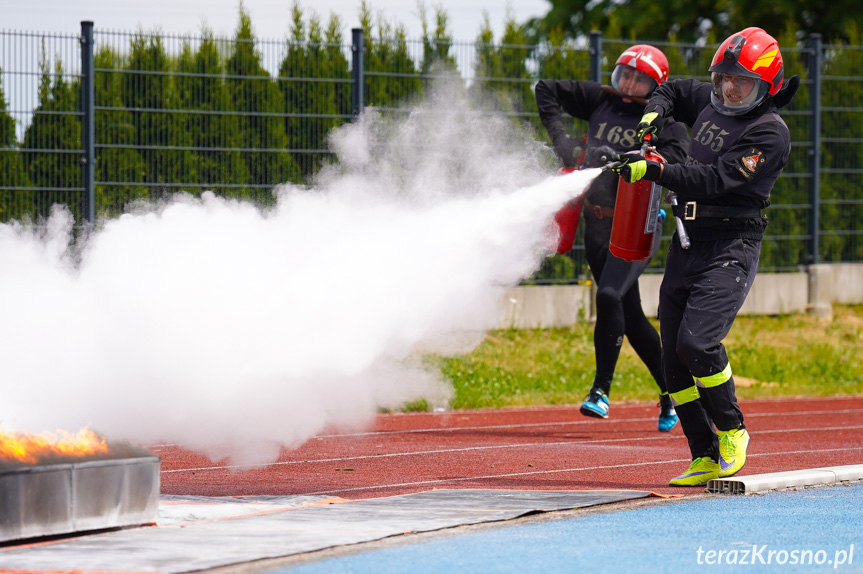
549	448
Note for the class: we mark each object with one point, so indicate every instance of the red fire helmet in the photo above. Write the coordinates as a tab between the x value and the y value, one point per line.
750	53
647	59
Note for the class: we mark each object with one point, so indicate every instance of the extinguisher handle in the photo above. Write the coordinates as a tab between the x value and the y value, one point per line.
646	145
682	235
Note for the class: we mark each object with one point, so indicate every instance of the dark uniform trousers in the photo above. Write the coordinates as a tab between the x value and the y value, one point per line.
618	304
702	290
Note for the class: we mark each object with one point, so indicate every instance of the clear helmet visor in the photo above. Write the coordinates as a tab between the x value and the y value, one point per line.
734	95
631	82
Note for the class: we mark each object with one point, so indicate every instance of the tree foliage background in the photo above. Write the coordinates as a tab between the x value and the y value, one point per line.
697	21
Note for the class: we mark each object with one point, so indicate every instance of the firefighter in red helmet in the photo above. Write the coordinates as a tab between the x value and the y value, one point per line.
739	147
746	68
612	113
638	70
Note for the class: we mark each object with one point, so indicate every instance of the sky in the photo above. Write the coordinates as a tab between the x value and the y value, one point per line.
270	18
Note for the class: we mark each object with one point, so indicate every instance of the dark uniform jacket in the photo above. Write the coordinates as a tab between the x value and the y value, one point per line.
611	123
733	161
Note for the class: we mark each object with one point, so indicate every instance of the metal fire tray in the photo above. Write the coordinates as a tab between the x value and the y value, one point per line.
51	499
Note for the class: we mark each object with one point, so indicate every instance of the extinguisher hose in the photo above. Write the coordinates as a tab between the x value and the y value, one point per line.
682	235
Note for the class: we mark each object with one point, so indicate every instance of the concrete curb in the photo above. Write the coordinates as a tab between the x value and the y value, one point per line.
788	479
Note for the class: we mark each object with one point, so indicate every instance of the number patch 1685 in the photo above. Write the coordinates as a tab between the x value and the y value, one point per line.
617	136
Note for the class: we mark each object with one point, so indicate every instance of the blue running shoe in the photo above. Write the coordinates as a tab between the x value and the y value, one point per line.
667	416
595	405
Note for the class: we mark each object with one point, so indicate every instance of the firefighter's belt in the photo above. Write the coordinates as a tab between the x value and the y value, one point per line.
692	210
599	211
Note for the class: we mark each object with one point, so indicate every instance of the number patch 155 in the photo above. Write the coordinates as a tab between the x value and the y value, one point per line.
712	136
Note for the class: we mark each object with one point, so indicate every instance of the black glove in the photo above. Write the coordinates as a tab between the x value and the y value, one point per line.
645	127
632	171
568	150
600	156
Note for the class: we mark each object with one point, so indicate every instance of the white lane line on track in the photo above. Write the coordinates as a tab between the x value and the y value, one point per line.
566	423
423	452
586	421
487	447
538	472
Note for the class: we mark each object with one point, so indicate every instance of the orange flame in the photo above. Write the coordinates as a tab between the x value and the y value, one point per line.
30	448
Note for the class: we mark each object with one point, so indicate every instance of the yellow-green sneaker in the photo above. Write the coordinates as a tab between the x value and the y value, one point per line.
732	451
699	472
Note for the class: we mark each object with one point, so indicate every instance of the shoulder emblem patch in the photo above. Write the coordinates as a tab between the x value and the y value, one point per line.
752	160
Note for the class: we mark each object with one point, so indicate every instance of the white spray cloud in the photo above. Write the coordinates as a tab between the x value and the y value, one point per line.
235	331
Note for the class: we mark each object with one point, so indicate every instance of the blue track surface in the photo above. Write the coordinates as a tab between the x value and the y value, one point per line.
810	530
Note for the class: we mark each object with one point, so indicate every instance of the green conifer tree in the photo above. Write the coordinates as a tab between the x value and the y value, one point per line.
501	70
56	131
161	122
392	76
840	210
336	67
437	44
15	199
785	245
117	160
257	100
213	125
488	66
7	122
516	53
560	59
296	93
324	63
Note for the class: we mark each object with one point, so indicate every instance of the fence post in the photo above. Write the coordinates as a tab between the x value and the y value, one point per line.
88	129
815	150
595	51
357	71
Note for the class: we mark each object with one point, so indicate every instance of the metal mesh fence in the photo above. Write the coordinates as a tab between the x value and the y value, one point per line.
40	145
183	113
239	116
841	168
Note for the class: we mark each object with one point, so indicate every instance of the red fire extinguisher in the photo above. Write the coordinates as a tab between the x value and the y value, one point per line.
568	217
635	214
